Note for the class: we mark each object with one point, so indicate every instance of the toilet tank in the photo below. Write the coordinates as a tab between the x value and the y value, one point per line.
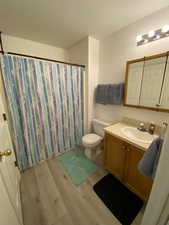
98	126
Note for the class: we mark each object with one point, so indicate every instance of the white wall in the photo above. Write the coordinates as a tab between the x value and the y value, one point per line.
79	53
93	72
116	49
24	46
155	211
86	52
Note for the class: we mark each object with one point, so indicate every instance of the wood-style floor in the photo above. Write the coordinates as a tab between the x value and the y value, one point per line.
50	198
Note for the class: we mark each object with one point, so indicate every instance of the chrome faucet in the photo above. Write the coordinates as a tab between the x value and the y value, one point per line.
151	128
142	127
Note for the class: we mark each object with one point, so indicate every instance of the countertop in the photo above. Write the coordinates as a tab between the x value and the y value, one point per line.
115	130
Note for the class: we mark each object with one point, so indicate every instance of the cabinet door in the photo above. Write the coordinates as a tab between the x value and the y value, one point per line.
114	156
135	72
152	81
164	101
134	180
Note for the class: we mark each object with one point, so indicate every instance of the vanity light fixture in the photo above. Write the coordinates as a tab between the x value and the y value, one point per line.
157	36
153	35
139	38
165	28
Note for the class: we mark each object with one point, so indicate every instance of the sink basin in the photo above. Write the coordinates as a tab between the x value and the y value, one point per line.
135	134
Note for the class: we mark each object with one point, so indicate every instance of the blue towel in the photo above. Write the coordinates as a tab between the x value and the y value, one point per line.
100	94
115	93
109	94
148	164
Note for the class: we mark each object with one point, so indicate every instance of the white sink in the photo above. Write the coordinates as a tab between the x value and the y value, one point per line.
135	134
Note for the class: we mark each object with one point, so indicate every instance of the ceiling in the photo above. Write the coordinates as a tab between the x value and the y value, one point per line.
63	23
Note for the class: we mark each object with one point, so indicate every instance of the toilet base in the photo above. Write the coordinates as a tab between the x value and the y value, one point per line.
98	150
89	151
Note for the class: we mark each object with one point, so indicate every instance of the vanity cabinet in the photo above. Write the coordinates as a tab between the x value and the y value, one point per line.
118	153
133	179
121	159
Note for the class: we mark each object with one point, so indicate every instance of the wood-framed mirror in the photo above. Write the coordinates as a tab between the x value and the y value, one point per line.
147	83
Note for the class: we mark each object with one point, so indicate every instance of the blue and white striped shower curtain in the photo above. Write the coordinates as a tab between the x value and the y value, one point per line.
46	106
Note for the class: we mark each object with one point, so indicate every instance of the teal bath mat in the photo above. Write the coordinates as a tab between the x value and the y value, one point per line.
77	165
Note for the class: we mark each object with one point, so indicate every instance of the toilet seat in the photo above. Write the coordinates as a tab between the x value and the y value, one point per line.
91	140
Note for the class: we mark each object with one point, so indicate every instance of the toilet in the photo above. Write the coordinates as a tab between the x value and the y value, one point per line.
93	140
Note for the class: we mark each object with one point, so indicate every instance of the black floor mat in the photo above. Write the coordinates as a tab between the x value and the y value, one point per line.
122	203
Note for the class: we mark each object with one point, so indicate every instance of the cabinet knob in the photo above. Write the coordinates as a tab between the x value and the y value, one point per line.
123	147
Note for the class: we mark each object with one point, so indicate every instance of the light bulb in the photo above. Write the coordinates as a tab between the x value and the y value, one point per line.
139	38
165	28
151	33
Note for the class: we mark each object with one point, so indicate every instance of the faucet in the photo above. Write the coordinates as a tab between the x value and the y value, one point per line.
142	127
151	128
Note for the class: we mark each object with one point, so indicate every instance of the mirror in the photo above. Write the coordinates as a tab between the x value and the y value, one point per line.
147	81
134	79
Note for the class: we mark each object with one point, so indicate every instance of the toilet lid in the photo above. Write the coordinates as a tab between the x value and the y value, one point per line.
92	139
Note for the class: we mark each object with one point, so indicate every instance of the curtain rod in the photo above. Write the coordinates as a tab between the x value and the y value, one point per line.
35	57
41	58
1	44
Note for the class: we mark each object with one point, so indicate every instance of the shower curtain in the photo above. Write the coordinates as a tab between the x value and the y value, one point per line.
45	102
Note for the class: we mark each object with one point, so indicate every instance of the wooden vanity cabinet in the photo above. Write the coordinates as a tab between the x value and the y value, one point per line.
115	156
133	179
121	159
